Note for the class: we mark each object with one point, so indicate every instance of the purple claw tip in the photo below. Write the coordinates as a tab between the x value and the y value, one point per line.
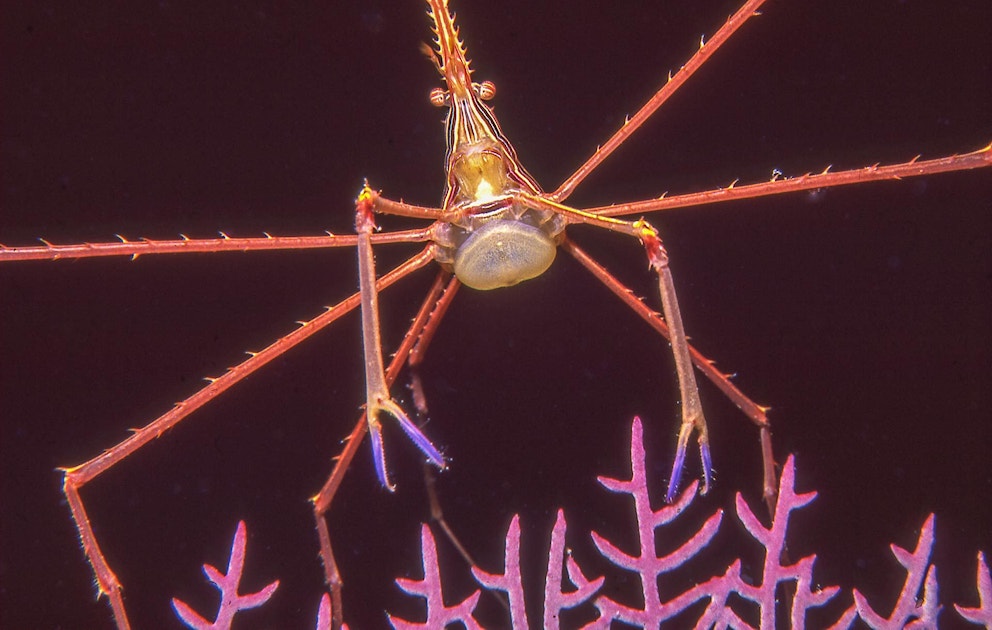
673	483
704	454
380	461
421	441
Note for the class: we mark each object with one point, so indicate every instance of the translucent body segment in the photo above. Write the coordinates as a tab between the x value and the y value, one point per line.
503	253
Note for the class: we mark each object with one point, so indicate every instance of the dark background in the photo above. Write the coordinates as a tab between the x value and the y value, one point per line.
860	315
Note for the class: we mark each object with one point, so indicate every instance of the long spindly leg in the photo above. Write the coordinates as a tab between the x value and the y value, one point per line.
185	245
411	352
78	476
420	402
693	420
323	499
754	411
675	81
758	414
427	334
377	390
982	158
692	408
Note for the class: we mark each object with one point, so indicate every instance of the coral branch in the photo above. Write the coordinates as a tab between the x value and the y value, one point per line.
646	563
510	580
230	602
555	599
918	568
983	613
724	594
566	586
773	540
438	615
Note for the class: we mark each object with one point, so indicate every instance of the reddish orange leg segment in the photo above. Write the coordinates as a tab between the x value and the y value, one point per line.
420	401
692	407
424	340
323	499
184	245
377	390
706	49
78	476
982	158
417	355
693	420
754	411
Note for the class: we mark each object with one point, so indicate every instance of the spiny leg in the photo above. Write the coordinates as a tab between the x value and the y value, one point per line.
427	335
423	413
78	476
693	420
323	499
754	411
705	50
185	245
420	402
368	202
692	408
377	390
981	158
423	340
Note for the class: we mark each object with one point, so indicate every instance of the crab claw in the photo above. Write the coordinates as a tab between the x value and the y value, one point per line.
418	438
685	432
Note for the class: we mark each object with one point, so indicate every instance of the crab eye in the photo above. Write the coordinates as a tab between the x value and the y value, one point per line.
486	90
439	97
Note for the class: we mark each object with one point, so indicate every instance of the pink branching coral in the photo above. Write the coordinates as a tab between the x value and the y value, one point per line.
648	566
983	613
730	599
230	602
227	583
438	615
918	569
